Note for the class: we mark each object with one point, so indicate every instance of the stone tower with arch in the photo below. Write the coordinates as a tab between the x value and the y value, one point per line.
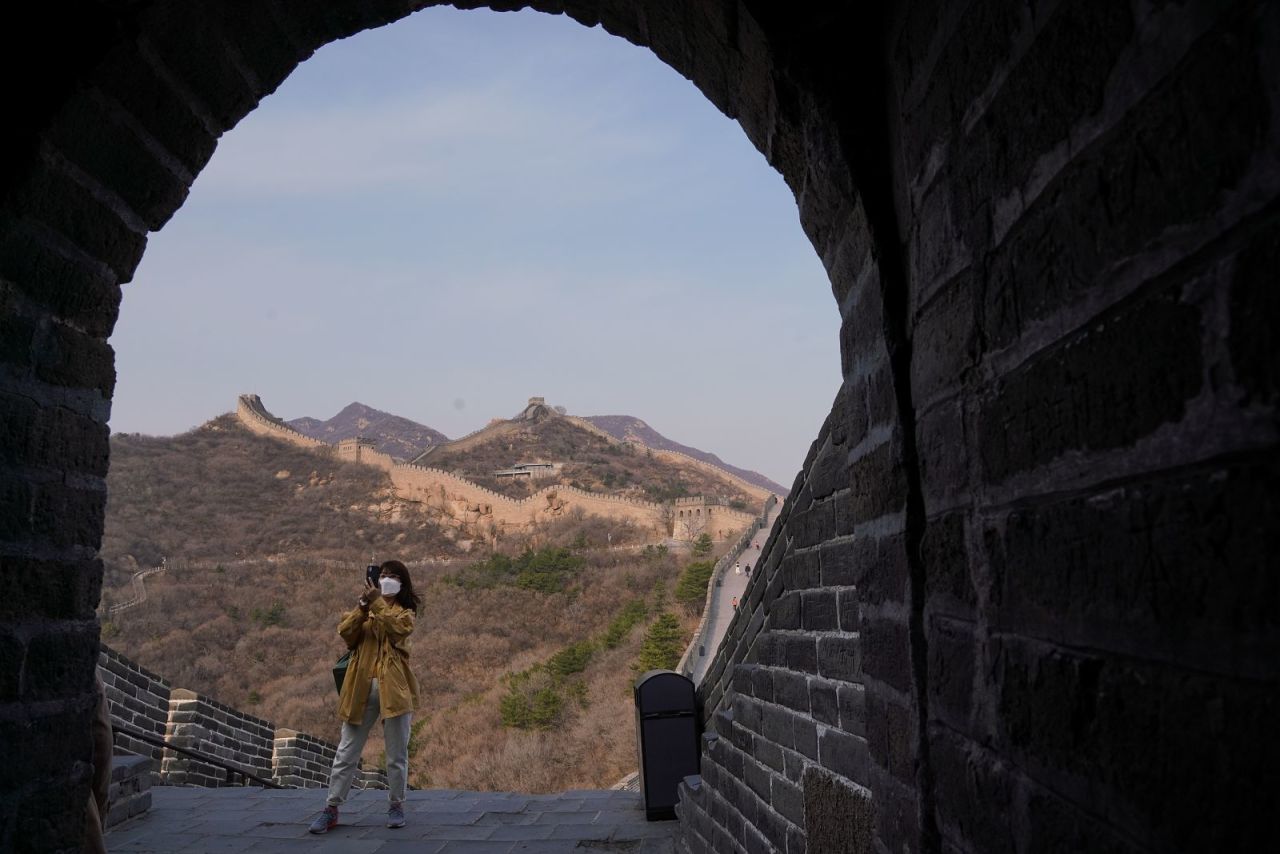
1022	596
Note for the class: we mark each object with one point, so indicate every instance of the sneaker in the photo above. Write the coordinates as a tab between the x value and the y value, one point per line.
395	816
326	821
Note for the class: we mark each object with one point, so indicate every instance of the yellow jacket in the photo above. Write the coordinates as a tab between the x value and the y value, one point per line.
379	644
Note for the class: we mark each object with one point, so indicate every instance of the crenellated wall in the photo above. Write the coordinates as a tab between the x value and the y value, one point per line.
143	701
478	507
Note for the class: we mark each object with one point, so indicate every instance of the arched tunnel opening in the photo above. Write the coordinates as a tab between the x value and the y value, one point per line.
1019	597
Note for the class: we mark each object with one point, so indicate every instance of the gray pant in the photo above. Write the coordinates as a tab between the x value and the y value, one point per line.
396	733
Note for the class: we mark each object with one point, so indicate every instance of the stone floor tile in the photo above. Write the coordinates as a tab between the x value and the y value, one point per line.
519	832
581	831
476	847
410	846
555	846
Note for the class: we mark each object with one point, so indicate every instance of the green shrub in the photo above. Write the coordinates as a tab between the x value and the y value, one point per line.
571	659
691	589
547	570
662	645
621	625
702	545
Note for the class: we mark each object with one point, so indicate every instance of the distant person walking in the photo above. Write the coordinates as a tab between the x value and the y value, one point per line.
737	568
378	684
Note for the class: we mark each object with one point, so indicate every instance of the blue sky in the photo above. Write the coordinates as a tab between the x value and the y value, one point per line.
443	217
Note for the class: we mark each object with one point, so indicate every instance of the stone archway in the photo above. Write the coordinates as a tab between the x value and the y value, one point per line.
1019	595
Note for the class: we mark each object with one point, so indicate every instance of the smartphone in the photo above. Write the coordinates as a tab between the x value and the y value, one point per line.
371	574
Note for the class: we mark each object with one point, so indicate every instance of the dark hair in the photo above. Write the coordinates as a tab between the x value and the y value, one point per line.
406	598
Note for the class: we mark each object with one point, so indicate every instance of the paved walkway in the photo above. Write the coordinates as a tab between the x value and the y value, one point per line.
733	585
230	820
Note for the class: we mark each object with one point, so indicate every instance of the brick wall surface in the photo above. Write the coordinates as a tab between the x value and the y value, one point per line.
139	701
1020	598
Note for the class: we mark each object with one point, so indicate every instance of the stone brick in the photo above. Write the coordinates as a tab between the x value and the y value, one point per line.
844	754
977	796
823	703
829	471
839	657
784	612
12	652
164	111
1134	372
1255	317
769	754
849	606
776	725
59	664
876	566
1046	262
838	818
1131	727
944	551
45	747
48	589
758	779
879	488
965	65
852	700
802	570
952	666
65	516
1181	564
1055	85
942	445
813	526
1053	824
945	345
762	683
68	209
818	611
97	139
802	653
891	737
64	356
886	653
35	435
72	289
791	690
804	734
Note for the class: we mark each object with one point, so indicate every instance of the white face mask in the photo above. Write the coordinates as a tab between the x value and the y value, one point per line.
390	586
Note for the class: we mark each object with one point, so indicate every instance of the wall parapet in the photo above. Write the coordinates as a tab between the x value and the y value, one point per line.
734	552
408	478
141	700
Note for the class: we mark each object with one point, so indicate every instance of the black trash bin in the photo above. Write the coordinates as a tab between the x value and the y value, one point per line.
666	737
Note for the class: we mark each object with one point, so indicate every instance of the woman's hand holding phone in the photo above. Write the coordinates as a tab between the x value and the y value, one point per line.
371	592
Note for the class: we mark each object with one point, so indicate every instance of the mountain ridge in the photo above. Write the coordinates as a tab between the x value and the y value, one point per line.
395	435
631	428
407	440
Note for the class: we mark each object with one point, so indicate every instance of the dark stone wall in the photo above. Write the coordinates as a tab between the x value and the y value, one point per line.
1021	595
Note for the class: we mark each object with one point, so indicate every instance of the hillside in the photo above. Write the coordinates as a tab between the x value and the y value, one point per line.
589	461
262	637
399	437
526	657
631	429
220	493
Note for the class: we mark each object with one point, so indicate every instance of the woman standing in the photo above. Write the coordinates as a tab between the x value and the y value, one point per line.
378	684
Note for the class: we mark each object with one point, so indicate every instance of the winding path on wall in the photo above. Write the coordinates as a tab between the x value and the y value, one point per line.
722	600
139	589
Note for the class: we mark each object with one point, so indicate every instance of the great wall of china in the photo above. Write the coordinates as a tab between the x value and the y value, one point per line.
479	508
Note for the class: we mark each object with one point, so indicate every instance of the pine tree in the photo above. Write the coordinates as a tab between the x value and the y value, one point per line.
662	645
